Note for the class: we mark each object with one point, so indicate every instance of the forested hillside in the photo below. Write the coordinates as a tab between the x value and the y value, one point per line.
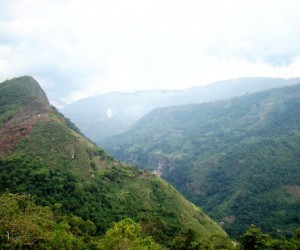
239	159
60	191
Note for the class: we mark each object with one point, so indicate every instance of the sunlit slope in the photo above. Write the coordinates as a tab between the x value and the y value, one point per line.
48	159
239	159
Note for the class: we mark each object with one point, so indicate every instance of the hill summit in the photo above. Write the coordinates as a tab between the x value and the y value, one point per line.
23	104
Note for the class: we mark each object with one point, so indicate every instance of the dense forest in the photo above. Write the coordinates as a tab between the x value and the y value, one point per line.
238	159
25	225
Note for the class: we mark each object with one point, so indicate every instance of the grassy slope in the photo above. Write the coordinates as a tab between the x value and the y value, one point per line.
234	158
58	165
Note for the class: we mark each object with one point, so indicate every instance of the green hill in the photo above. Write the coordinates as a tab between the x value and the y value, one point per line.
238	159
77	184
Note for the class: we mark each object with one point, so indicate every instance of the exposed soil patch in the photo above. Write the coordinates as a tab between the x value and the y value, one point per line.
229	219
19	126
293	190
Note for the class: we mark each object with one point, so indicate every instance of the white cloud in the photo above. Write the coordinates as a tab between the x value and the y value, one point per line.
79	48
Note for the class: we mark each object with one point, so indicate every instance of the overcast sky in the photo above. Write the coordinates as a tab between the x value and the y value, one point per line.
78	48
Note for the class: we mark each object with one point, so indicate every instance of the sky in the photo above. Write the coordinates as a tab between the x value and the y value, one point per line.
80	48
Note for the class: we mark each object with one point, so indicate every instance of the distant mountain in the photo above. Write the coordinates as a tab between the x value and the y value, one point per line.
102	116
239	159
45	160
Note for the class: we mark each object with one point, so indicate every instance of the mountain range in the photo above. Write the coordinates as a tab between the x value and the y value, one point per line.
239	159
100	117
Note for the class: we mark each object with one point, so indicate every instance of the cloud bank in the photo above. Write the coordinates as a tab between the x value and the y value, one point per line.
77	48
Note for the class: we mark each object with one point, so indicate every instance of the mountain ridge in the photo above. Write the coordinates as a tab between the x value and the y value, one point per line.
106	115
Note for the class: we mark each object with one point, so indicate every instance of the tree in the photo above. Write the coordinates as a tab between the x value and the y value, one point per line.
22	222
24	225
126	235
255	239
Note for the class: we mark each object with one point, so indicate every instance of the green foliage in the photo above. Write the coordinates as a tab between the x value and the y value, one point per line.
112	194
25	225
126	235
237	159
255	239
189	241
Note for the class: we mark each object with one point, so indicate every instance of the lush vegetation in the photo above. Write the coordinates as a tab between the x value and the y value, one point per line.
59	191
111	195
254	238
25	225
238	159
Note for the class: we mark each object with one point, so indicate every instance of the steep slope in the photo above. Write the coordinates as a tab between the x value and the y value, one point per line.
238	159
47	159
22	105
106	115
